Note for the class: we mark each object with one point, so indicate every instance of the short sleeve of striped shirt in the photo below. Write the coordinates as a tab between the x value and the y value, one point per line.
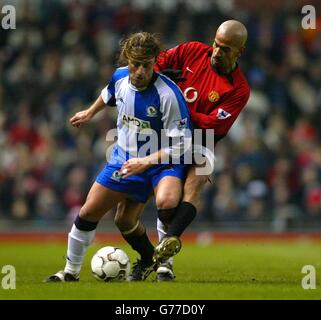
108	93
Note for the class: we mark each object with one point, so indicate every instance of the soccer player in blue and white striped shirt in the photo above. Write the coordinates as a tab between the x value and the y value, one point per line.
150	107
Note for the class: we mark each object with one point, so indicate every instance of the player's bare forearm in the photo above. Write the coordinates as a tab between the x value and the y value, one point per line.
97	106
85	115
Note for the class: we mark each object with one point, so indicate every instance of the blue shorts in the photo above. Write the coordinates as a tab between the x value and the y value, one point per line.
138	187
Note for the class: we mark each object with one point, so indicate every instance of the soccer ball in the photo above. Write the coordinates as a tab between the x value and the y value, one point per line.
110	263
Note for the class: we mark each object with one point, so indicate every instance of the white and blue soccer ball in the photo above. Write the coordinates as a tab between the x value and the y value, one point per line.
110	263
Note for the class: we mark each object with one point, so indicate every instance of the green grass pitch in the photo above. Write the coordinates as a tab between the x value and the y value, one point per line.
216	271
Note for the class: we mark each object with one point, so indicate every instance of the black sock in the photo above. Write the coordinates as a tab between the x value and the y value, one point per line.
184	215
142	245
166	215
85	225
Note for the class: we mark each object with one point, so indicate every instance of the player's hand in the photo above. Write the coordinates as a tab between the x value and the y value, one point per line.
174	74
133	167
80	117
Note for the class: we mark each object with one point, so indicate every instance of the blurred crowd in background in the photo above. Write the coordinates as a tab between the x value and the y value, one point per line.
61	55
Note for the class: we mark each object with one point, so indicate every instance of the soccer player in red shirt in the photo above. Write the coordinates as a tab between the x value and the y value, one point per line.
216	91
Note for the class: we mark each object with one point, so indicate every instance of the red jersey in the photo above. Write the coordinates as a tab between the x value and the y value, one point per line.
214	100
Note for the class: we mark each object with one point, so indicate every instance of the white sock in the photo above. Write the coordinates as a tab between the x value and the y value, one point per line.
161	230
78	242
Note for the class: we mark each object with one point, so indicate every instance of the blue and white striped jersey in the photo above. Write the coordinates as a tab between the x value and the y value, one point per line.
146	117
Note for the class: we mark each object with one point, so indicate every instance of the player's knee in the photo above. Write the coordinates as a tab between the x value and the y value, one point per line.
124	222
85	213
119	221
167	201
91	211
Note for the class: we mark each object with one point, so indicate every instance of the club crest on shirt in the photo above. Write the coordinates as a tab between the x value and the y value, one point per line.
222	114
116	175
181	124
151	111
213	96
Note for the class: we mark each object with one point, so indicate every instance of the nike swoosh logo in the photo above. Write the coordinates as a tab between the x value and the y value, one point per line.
188	69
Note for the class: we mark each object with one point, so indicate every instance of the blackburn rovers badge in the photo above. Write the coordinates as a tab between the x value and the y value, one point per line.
116	175
151	111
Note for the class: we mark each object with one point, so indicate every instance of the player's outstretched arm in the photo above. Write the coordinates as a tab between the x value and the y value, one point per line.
85	115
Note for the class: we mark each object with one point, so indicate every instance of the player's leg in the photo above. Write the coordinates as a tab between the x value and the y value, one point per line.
165	269
161	229
104	194
184	215
100	199
168	194
186	211
134	232
195	180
